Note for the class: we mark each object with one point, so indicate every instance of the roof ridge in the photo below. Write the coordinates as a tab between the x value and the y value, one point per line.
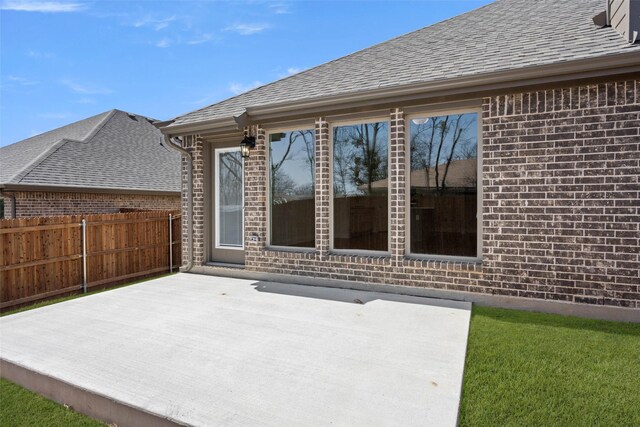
29	167
98	127
56	129
20	175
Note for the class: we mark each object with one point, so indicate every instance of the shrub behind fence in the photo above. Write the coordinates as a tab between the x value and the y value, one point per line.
43	257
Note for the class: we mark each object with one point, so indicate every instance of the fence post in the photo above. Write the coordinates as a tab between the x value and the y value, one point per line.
84	256
170	244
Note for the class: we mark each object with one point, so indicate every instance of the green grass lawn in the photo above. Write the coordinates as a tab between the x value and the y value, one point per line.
531	369
22	408
522	369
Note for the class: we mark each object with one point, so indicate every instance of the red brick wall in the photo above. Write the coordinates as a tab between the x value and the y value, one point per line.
561	195
32	203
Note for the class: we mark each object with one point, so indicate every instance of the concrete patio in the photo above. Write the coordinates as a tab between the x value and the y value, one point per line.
202	350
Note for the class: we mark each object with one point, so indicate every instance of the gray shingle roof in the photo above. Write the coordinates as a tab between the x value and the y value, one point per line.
504	35
113	150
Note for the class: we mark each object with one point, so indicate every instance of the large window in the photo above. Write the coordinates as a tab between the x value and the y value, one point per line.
360	187
444	185
292	192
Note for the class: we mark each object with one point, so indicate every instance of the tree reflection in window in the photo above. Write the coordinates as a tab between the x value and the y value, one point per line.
360	186
443	158
230	199
292	188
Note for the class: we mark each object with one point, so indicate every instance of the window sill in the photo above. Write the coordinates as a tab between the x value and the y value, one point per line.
290	249
444	258
368	254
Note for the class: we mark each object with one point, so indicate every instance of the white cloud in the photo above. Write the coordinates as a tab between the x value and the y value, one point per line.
202	38
40	55
163	43
22	81
155	23
280	8
86	101
247	29
291	71
41	6
238	88
86	89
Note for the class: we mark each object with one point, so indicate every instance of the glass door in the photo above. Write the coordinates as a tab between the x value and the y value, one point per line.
228	205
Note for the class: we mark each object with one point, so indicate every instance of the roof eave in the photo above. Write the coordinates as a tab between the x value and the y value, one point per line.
604	66
530	76
224	124
80	189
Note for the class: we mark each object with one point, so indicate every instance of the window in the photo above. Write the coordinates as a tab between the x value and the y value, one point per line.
444	185
229	198
292	192
360	187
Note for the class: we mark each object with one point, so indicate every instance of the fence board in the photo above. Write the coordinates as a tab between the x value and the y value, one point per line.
41	257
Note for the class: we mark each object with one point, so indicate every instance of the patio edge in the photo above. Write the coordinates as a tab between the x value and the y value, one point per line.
84	401
600	312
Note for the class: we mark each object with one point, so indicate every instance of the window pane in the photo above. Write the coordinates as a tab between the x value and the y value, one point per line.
360	187
292	180
444	187
230	198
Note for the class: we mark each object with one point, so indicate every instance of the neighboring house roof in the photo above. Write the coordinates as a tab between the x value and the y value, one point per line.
113	150
502	36
461	174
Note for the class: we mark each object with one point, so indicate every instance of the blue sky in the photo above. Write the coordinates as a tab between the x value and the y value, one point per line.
64	61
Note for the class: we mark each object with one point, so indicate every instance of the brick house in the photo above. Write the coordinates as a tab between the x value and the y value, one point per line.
102	164
507	141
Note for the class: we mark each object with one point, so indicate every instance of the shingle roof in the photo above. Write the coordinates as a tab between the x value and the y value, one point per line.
114	150
504	35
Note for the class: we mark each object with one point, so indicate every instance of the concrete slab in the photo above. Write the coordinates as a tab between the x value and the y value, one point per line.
204	350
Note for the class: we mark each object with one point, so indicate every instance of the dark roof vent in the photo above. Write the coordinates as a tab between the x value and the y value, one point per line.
133	117
602	19
623	16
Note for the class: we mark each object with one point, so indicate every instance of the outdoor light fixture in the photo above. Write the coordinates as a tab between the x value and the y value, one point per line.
247	143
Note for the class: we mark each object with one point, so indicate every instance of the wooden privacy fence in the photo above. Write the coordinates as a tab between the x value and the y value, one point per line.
44	257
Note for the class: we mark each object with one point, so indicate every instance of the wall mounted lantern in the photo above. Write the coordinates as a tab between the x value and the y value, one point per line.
247	143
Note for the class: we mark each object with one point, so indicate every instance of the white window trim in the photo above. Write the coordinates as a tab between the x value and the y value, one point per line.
407	221
216	156
267	133
358	120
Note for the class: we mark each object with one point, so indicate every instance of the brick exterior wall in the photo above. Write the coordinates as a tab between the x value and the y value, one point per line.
323	187
8	206
194	145
561	195
40	203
